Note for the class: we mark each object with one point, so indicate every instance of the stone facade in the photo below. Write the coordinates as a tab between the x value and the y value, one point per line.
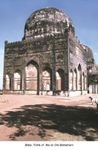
49	59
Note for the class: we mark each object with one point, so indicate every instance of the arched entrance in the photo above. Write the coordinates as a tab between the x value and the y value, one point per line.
17	81
83	81
31	74
75	80
7	82
79	80
60	80
46	80
71	80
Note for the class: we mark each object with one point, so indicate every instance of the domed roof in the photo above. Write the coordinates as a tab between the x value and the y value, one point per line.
46	20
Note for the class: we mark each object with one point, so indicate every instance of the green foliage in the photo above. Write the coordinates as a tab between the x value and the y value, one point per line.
92	79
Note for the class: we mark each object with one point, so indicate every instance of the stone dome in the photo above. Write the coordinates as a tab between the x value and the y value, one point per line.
45	22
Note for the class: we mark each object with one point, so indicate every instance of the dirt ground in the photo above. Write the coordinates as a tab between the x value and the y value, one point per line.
47	118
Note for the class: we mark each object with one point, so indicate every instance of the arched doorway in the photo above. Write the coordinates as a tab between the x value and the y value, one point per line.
83	81
46	80
7	82
60	80
75	80
71	80
31	74
79	79
17	81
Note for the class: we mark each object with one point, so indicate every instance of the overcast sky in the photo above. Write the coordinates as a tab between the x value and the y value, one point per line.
14	13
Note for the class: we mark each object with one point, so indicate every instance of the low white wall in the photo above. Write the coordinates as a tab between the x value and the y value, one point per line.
31	92
77	93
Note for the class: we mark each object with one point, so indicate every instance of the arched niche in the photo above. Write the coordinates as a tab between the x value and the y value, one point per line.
79	79
17	81
7	82
60	80
46	77
71	80
31	73
75	80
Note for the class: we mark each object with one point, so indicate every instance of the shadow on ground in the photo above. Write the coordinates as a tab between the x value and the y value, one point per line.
78	121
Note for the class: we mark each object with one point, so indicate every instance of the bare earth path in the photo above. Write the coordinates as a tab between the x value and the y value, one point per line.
42	118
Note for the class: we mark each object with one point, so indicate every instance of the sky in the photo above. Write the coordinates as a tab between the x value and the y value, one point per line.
14	13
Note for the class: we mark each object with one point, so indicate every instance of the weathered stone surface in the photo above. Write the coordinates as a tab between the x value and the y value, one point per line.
49	44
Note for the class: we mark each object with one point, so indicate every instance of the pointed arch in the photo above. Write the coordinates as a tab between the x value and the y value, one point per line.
31	76
17	81
79	78
83	81
60	80
75	79
46	78
7	82
71	80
